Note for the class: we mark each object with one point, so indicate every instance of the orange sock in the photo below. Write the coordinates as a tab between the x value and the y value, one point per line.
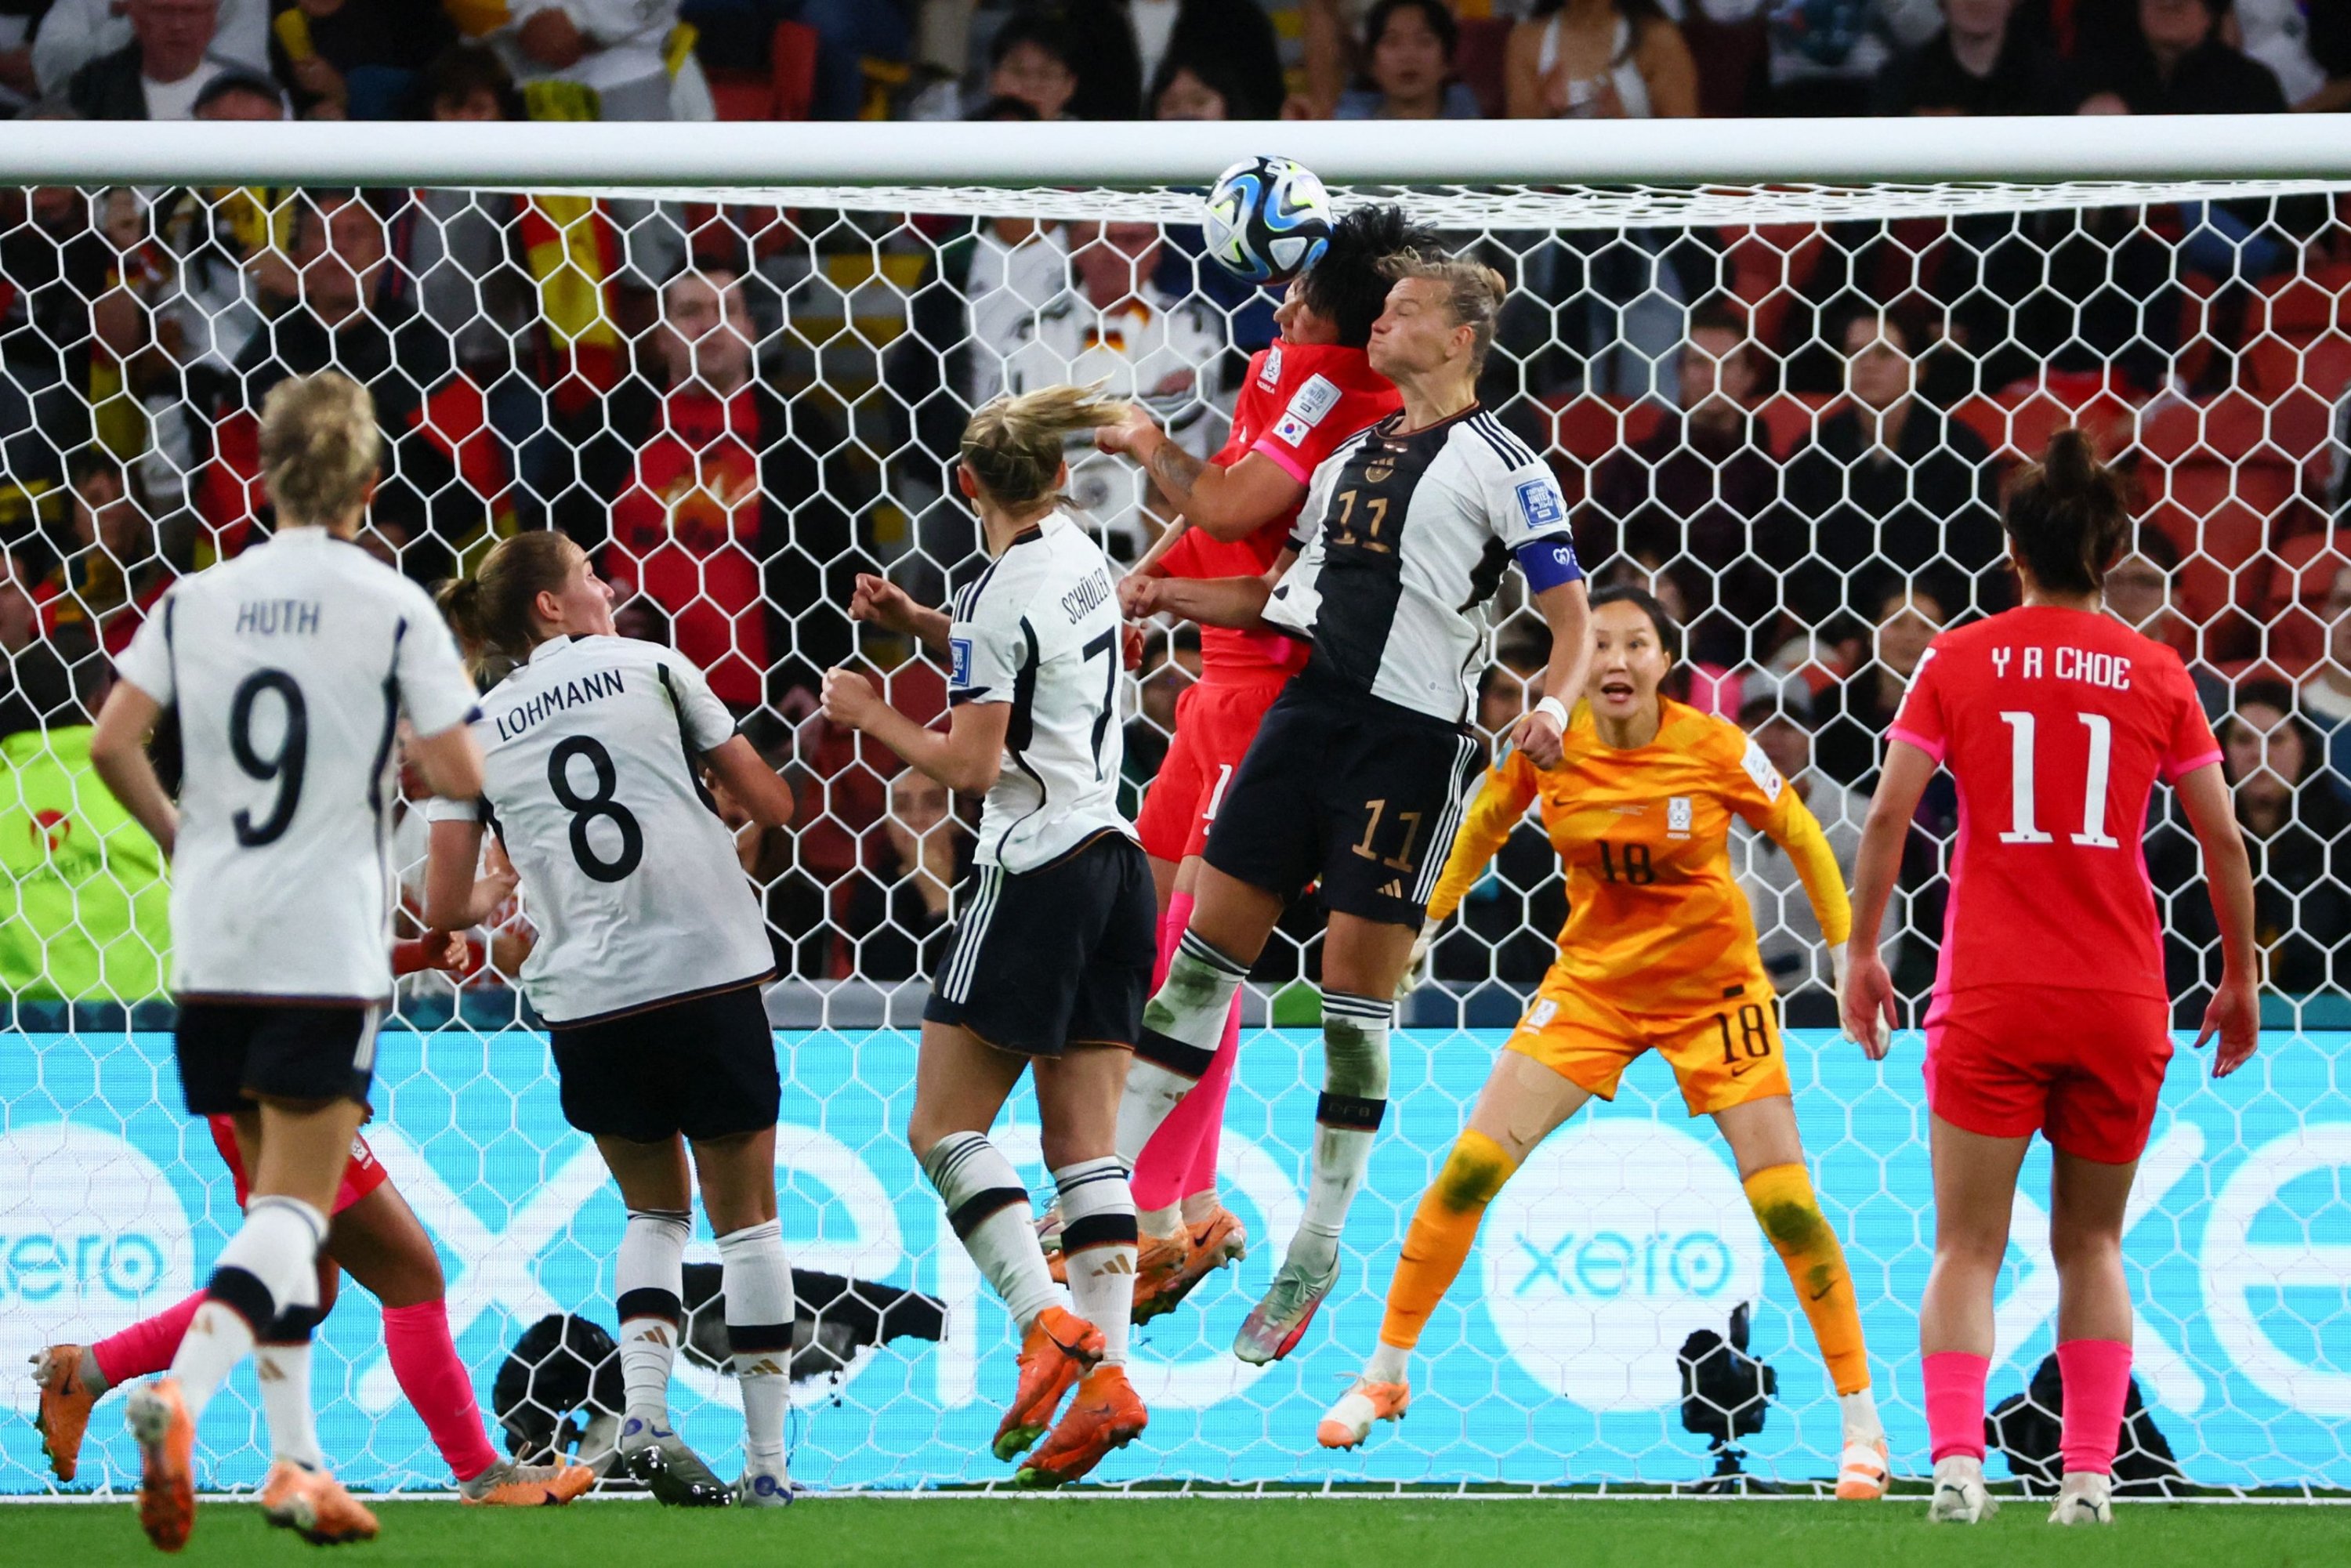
1781	1196
1443	1228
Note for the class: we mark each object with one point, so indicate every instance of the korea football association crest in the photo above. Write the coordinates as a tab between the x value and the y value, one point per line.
1678	816
1269	376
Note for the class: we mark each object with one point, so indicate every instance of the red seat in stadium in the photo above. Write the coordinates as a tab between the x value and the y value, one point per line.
1769	265
784	90
2293	604
1585	430
2299	335
2235	449
1790	418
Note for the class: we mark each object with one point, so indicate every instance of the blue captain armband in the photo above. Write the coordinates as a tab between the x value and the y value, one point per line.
1548	563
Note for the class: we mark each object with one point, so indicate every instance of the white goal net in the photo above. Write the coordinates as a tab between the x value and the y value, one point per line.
1788	405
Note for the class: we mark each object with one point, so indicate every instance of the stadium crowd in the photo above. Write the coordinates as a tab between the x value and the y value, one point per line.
1795	435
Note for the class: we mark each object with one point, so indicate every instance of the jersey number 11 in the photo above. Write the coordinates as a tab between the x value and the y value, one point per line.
2021	829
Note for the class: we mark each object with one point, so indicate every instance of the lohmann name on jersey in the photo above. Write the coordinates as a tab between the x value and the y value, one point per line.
554	699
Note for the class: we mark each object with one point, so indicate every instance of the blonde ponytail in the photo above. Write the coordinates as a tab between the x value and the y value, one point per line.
320	448
1013	446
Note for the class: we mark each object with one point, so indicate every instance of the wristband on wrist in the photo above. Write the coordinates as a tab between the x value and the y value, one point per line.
1556	708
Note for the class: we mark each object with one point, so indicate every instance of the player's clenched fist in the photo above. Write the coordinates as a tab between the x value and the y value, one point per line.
882	601
1138	595
1121	436
1540	735
850	699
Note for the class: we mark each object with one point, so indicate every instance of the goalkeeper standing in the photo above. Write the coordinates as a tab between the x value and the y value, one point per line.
1356	775
1659	953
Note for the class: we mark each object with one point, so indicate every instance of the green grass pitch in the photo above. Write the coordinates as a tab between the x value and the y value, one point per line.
1267	1532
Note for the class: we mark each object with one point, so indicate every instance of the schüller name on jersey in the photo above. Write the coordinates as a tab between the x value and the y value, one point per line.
269	617
1087	593
554	699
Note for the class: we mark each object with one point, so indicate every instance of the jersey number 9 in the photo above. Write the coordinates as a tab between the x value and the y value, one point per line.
284	765
586	808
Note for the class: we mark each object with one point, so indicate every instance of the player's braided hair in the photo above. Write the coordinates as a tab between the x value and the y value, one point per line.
319	448
490	610
1349	285
1013	446
2069	517
1474	293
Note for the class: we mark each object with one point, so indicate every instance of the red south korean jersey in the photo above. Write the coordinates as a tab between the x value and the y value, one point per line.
2055	726
1299	403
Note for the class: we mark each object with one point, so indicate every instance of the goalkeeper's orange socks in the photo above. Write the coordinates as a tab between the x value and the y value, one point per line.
1444	1228
1790	1214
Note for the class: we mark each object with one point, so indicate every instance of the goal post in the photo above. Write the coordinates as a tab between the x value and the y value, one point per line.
1783	371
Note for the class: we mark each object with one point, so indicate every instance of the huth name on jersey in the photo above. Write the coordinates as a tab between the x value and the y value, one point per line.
269	617
1087	593
2112	670
554	699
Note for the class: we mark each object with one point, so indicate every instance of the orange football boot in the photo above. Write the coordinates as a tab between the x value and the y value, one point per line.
63	1414
1107	1413
1059	1348
314	1506
158	1418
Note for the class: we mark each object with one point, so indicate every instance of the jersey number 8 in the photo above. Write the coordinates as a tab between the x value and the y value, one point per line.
586	808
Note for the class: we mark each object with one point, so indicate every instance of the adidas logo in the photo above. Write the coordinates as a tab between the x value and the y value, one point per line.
655	1335
266	1372
766	1366
1392	889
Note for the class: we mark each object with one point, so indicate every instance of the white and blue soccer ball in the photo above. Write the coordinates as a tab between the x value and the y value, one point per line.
1268	219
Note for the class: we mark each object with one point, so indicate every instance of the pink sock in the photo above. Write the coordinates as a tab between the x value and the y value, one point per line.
424	1361
1201	1175
1955	1404
2096	1374
146	1347
1158	1178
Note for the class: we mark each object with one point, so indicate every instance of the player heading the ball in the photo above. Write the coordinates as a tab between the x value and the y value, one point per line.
2050	1012
1358	775
1659	953
650	958
1302	398
291	667
1051	950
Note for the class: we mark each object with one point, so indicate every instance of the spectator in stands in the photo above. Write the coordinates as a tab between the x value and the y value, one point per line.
346	318
1236	32
1201	87
1599	59
2299	832
1689	494
1825	55
466	83
2138	594
721	518
84	906
1888	489
2307	46
849	35
897	913
113	570
160	72
1978	64
1777	714
18	85
358	60
2179	64
1408	51
76	33
2326	691
1136	326
54	262
1031	59
595	60
1854	713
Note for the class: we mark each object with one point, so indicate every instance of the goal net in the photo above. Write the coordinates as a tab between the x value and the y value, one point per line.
1787	403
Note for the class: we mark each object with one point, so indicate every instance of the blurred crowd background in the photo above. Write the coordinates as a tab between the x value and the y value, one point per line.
1797	434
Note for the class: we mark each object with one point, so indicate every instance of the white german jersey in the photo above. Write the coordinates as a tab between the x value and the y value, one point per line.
290	666
1039	629
1401	540
593	785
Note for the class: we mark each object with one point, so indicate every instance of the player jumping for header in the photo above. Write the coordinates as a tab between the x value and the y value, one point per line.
1358	773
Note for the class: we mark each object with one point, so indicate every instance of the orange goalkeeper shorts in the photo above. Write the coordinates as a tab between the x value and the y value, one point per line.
1720	1058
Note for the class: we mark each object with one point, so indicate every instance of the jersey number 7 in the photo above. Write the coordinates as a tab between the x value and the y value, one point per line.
2020	829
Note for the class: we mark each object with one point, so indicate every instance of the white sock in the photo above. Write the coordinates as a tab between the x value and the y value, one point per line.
1182	1026
757	1282
1859	1411
1098	1241
284	1371
989	1209
1389	1364
1347	1118
649	1285
1162	1224
267	1263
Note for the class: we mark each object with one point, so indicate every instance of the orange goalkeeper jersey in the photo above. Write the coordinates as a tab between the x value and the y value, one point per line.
1656	922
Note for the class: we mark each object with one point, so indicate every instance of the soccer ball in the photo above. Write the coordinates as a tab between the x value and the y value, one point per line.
1268	219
